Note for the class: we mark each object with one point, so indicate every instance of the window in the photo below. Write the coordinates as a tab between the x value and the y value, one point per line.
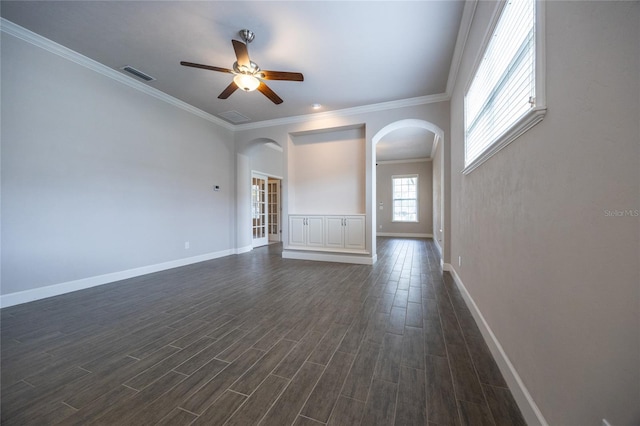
405	198
506	94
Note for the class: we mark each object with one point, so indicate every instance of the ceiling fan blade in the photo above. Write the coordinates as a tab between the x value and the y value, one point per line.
282	75
205	67
242	53
266	90
228	91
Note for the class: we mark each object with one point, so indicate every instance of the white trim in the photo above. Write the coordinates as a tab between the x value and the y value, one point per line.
17	31
327	257
407	122
268	175
383	106
435	240
411	160
404	234
244	249
333	250
541	53
528	407
393	199
535	115
274	146
73	56
25	296
527	121
434	146
463	33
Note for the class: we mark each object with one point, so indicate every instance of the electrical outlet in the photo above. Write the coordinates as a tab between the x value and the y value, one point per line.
380	226
186	245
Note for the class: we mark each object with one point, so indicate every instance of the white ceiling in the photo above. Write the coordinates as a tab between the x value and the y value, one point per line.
352	53
405	143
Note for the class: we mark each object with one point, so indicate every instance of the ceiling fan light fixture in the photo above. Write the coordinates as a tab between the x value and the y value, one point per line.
246	82
247	74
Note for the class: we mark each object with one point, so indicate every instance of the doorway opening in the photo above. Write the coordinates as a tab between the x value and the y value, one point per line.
265	209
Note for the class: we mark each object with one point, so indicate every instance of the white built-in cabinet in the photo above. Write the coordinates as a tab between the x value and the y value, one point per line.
327	232
306	231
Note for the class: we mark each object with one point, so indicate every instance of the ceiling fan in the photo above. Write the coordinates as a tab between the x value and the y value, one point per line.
247	74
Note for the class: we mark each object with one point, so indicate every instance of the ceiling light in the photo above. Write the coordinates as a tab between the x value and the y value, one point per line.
316	106
246	82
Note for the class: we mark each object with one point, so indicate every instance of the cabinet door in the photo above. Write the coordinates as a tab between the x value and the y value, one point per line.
334	232
297	230
354	232
315	231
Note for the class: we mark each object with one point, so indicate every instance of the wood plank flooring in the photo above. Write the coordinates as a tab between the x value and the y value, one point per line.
257	339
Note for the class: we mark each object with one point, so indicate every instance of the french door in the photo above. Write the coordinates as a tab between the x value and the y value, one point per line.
260	219
273	194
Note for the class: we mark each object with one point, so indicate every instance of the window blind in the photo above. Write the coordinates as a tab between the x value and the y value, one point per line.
503	88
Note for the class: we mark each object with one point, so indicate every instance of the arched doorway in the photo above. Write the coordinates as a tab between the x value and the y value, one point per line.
438	170
252	203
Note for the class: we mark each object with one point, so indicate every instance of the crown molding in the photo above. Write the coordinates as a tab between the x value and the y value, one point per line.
383	106
28	36
37	40
463	34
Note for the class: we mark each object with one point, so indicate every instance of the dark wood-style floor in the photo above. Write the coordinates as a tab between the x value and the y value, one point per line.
255	338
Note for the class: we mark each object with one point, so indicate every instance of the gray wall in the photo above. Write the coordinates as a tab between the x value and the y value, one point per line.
98	177
384	194
555	277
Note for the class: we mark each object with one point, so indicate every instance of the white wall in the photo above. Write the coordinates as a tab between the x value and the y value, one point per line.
556	279
384	173
327	172
99	178
267	160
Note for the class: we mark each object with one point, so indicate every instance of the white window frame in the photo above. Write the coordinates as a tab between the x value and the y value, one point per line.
393	207
536	113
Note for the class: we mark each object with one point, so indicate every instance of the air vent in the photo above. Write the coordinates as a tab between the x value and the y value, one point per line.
233	117
137	73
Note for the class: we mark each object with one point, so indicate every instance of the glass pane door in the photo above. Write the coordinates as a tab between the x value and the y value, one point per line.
274	209
259	209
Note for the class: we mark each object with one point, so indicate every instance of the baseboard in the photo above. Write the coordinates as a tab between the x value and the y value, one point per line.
20	297
435	240
329	257
245	249
528	407
404	235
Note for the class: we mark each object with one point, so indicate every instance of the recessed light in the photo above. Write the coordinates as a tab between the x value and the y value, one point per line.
316	106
